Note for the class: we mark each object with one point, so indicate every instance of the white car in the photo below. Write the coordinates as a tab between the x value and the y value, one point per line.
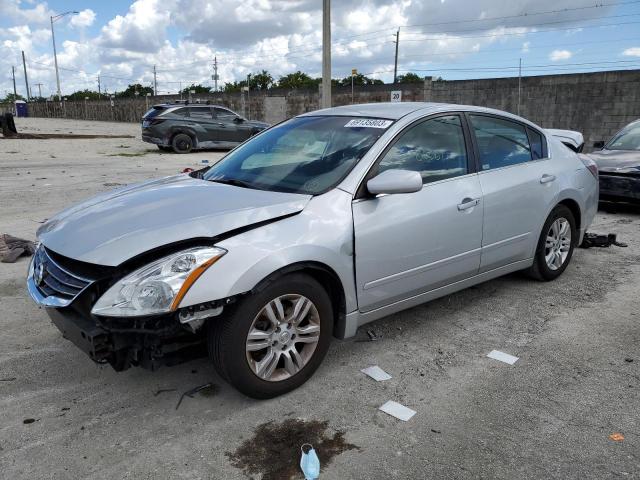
308	230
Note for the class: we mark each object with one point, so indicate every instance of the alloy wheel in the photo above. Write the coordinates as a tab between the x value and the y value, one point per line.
558	243
283	337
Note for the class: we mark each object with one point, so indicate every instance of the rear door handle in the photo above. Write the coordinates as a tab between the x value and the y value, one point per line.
546	178
468	203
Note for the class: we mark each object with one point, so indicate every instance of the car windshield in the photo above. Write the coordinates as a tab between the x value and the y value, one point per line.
308	155
626	139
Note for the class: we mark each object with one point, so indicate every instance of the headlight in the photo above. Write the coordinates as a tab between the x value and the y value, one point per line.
158	287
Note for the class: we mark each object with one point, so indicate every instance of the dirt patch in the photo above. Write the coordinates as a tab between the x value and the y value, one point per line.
132	154
66	136
274	449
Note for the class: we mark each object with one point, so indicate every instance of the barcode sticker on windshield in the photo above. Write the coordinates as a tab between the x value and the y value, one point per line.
368	123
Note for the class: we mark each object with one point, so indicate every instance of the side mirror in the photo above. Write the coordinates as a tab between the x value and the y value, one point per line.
599	145
395	181
238	120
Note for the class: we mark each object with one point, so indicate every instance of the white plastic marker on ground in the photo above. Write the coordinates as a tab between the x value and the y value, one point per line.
376	373
396	410
502	357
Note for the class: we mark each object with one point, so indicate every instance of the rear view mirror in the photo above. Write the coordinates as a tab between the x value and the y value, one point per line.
599	145
395	181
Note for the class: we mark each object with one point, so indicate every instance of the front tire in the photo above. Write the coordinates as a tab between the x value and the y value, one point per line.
182	143
273	341
555	246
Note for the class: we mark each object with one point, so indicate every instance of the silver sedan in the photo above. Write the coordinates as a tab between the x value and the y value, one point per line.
307	231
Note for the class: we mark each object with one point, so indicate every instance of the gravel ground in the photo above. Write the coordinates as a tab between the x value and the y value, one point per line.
548	416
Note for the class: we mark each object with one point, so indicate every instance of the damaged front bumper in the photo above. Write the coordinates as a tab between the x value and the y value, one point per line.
148	342
619	186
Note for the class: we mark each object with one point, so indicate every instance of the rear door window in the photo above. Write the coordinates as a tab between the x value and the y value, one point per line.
501	143
200	112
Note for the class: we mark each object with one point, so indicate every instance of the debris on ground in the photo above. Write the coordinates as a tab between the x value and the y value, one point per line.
112	184
11	248
163	390
309	462
600	240
376	373
187	170
8	379
502	357
397	410
616	437
27	421
208	389
373	336
7	125
273	450
628	359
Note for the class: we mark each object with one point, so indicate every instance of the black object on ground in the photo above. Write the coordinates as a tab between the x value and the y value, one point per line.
11	248
208	389
163	390
598	240
7	125
274	449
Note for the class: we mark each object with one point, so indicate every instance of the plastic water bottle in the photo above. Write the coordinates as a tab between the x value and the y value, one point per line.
309	463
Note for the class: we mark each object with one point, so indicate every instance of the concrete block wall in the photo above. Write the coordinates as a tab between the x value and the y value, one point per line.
596	104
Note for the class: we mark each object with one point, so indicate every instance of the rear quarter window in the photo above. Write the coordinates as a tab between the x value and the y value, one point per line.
537	144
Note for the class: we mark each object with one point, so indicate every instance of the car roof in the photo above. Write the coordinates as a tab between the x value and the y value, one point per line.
171	105
397	110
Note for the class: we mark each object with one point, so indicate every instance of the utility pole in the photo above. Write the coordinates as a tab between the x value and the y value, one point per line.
55	55
39	85
215	74
395	65
13	73
26	80
519	80
248	98
326	53
99	91
155	82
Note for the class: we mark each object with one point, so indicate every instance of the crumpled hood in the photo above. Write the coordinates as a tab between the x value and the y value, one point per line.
616	160
113	227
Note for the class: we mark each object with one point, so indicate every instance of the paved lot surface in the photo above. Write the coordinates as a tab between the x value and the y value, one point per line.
548	416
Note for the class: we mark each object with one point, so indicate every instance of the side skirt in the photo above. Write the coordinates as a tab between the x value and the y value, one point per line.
353	320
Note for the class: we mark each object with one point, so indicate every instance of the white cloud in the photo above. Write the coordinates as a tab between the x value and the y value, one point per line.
632	52
83	19
558	55
181	37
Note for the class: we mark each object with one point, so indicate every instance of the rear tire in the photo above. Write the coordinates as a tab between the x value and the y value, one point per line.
555	245
182	143
240	357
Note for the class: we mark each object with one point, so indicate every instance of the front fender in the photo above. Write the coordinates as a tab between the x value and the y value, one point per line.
322	233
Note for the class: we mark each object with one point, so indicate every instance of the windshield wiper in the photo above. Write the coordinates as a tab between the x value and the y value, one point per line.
234	182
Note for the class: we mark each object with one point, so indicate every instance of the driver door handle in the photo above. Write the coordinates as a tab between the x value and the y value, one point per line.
546	178
468	203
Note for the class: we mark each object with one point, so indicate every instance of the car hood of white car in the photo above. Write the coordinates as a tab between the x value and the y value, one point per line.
116	226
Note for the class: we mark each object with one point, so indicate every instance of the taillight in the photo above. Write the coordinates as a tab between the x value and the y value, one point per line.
590	164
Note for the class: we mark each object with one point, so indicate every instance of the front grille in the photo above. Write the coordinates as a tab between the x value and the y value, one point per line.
55	281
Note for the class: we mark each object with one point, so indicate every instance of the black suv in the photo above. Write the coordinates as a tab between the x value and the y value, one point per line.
184	127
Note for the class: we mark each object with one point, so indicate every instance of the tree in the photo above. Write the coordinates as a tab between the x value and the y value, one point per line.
234	87
197	88
359	79
10	98
410	78
261	80
80	95
298	80
131	90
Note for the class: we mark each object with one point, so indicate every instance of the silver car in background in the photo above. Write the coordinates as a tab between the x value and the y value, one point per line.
312	228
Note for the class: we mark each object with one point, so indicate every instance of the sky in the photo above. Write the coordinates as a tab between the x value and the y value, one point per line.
121	41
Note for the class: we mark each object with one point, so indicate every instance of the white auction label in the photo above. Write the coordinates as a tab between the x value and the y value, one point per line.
368	123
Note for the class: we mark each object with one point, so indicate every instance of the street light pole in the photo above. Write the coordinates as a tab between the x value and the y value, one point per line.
55	55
